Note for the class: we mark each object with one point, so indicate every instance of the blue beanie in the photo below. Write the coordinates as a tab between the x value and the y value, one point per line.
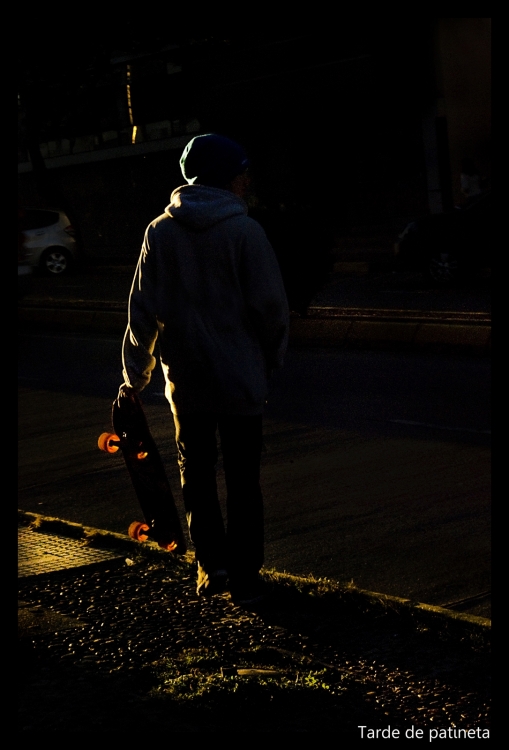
212	160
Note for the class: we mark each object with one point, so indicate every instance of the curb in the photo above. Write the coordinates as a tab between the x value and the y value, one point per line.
354	329
427	614
322	327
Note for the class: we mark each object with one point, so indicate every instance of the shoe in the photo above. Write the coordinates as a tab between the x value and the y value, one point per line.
248	599
212	583
248	593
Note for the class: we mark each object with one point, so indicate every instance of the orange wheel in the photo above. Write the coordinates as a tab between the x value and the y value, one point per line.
136	530
108	442
170	546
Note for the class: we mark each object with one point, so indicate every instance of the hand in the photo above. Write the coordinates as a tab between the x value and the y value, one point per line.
124	391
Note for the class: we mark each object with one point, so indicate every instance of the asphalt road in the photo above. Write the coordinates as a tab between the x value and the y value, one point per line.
376	468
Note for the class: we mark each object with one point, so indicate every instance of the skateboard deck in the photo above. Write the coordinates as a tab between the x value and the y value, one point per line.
132	437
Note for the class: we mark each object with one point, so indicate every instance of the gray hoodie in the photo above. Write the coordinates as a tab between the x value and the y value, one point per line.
208	288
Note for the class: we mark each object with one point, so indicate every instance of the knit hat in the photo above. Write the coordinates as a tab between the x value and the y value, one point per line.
212	160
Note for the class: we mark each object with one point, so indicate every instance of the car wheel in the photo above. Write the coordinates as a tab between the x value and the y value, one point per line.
55	261
443	269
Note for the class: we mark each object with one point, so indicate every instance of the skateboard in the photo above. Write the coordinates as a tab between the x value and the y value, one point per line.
132	437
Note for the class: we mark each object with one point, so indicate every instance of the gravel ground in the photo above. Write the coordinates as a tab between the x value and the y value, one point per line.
129	645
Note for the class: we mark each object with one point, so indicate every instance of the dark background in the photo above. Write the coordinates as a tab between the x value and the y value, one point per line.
352	121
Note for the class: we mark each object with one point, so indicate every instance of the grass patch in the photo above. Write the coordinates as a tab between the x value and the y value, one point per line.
277	691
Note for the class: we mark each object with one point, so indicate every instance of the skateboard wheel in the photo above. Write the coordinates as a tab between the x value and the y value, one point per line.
108	442
170	546
141	455
136	531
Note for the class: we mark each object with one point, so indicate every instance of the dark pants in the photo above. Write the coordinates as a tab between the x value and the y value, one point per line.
239	547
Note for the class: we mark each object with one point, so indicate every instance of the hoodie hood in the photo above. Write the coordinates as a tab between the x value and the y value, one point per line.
199	207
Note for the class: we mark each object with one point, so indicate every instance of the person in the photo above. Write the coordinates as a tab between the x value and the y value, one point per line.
208	289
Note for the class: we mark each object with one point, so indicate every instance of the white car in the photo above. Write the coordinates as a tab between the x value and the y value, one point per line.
48	240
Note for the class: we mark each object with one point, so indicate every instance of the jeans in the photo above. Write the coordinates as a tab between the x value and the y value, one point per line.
238	548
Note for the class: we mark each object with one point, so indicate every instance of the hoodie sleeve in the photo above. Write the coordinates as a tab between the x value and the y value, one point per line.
265	295
142	329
